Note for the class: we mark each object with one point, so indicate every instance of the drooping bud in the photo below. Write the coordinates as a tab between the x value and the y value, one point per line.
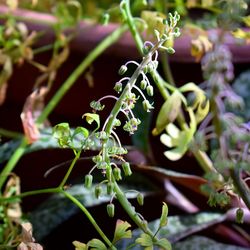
110	188
117	173
143	84
88	181
240	215
147	106
123	69
111	210
126	168
118	87
140	199
150	90
98	191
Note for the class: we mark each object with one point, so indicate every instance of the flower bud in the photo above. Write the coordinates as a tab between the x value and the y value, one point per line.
117	173
117	122
96	158
98	191
105	19
143	84
240	215
123	69
111	210
150	90
108	172
88	181
110	188
118	87
126	169
102	165
147	106
170	50
140	199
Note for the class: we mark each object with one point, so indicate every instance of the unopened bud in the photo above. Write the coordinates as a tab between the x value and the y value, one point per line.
111	210
126	169
88	181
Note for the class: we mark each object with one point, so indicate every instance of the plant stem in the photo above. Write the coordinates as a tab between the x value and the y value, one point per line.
131	211
240	185
70	169
204	161
131	24
166	68
12	162
30	193
91	219
10	134
102	46
108	41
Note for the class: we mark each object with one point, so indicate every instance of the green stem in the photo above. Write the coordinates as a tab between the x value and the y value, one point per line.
30	193
12	162
240	185
131	24
91	219
166	68
10	134
131	211
102	46
70	169
108	41
204	161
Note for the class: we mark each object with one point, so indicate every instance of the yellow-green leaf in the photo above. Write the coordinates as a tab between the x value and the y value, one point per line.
121	231
168	112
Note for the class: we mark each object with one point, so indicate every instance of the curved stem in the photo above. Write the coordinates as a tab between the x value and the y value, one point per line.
12	162
132	26
70	169
240	185
130	210
30	193
91	219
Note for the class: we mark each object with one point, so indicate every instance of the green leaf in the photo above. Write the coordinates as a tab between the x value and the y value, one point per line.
97	244
178	139
201	104
121	231
164	243
79	136
168	112
146	241
164	215
79	245
62	133
178	227
90	118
